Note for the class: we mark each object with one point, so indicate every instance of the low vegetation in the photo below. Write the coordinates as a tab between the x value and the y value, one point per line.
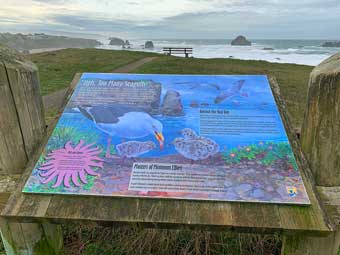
57	68
132	240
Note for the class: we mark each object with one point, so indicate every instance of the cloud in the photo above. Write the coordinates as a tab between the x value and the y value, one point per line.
175	18
51	1
92	24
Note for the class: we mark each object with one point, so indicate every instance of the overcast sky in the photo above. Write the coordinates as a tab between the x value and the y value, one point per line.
282	19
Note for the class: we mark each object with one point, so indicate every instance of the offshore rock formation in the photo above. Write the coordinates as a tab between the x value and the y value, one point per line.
241	41
116	41
149	45
331	44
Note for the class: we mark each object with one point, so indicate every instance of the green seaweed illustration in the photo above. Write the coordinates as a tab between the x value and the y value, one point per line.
61	135
265	153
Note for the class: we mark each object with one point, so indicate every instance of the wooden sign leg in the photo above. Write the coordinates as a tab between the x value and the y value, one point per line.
321	144
31	238
293	245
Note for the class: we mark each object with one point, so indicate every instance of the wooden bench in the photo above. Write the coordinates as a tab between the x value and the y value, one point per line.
30	222
185	51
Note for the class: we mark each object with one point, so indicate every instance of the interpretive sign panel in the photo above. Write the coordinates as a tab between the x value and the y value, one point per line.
171	136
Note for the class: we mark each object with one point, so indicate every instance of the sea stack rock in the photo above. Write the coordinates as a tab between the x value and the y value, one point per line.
116	41
331	44
241	41
149	45
172	104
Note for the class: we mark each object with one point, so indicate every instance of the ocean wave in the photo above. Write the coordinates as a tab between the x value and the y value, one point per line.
306	52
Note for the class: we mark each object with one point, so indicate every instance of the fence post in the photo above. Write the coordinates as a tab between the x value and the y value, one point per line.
22	123
22	127
320	140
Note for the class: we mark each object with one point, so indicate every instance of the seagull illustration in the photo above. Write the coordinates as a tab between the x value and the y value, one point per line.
235	90
123	121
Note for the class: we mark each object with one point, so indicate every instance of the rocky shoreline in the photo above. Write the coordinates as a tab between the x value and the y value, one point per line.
335	44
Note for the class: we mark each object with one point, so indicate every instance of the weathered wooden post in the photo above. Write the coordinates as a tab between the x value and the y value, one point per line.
22	127
22	124
320	140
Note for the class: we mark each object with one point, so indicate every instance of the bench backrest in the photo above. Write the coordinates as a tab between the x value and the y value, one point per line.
177	50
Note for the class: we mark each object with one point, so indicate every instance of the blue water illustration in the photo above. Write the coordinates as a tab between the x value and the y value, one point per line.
255	97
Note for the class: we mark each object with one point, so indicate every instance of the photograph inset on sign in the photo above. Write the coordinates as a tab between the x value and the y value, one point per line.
202	137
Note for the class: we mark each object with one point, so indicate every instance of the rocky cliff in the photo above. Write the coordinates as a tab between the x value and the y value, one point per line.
24	42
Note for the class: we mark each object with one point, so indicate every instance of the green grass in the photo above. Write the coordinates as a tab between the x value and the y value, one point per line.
57	68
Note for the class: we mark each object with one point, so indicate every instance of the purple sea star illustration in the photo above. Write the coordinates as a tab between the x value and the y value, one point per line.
69	163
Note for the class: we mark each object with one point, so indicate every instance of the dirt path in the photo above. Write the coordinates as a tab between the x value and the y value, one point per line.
54	100
130	67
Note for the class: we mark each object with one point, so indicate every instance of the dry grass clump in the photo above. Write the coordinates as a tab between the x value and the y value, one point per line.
89	240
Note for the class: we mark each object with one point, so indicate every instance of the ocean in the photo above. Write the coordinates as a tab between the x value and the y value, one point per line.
304	52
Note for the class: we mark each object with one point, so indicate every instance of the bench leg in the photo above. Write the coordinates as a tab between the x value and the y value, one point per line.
296	245
31	238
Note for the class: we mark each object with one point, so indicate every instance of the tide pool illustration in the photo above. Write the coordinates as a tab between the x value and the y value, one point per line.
200	137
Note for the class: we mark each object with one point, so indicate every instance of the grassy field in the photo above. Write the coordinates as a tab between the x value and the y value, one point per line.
56	72
57	69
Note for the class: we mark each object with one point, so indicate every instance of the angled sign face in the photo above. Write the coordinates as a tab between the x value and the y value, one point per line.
197	137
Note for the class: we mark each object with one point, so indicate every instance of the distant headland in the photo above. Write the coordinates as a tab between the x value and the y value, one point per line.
27	42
